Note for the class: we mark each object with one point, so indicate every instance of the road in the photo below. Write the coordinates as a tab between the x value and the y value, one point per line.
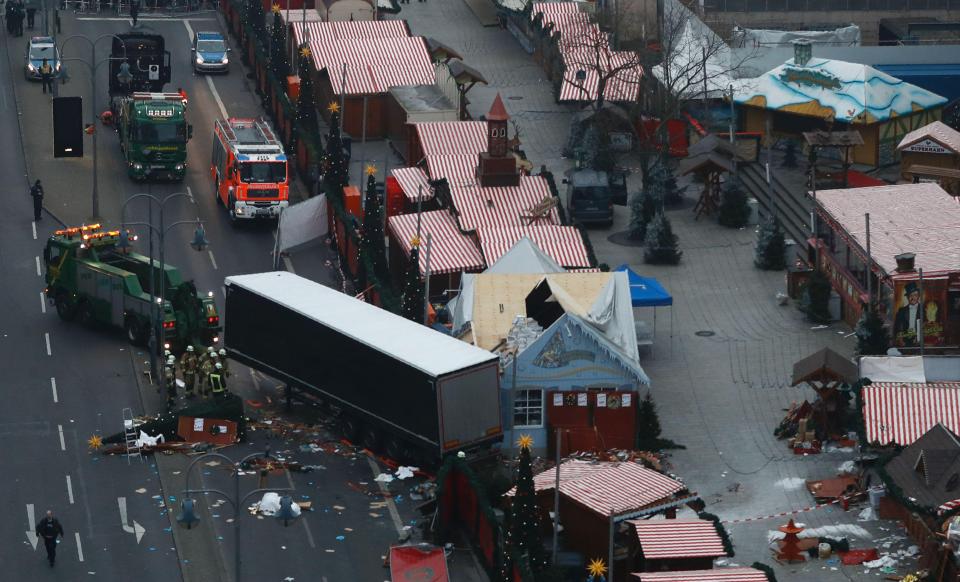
78	380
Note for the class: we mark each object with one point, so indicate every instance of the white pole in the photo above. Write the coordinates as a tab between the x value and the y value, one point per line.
426	281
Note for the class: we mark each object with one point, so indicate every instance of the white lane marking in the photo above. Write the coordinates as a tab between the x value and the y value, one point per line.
76	535
53	387
213	260
43	303
38	266
63	445
34	225
46	337
391	505
69	489
306	527
32	522
190	195
136	529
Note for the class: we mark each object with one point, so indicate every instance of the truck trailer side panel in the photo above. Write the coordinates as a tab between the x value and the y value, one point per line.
267	336
465	414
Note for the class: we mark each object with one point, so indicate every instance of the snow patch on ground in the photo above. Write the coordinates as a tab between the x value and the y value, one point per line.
846	530
791	483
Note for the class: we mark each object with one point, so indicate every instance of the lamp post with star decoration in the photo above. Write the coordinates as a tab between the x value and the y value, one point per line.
411	302
306	107
337	163
279	64
523	543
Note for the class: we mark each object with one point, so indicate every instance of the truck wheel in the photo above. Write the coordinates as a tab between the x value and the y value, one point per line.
351	429
65	310
85	314
135	331
370	438
216	192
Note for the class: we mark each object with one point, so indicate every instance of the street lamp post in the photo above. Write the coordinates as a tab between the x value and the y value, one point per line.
93	65
199	243
188	516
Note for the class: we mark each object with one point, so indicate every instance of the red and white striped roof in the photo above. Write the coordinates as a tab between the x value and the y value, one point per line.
948	506
498	207
459	170
902	412
678	538
443	138
414	183
563	244
569	471
551	8
350	30
451	251
715	575
373	64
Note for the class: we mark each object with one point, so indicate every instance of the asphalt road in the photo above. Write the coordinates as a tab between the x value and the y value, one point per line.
97	373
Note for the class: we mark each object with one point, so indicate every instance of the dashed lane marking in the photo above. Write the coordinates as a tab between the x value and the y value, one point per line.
46	337
34	225
69	490
391	505
213	260
53	387
76	535
63	445
43	303
38	266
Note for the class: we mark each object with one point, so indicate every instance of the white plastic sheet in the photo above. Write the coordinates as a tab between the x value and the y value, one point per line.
303	223
893	368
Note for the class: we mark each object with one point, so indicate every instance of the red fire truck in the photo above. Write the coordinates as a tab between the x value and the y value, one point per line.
249	168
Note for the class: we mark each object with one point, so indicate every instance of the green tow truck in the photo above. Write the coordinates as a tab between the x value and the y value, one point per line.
153	132
92	280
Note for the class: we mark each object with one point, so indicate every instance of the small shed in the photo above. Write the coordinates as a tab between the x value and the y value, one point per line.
825	371
409	104
677	544
932	154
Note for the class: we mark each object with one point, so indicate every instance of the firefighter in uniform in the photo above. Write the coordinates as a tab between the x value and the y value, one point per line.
188	367
218	383
223	360
170	378
206	368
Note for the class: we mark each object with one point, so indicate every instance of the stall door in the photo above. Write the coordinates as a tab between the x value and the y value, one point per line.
591	421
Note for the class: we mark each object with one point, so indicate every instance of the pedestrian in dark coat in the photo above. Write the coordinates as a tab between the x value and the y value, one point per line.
8	16
134	11
37	192
31	14
19	18
49	529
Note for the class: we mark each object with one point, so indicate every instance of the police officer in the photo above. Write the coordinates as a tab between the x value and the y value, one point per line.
170	378
205	370
188	367
46	76
36	191
218	383
223	360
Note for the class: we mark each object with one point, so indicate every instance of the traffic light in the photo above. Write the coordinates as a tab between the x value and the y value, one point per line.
67	127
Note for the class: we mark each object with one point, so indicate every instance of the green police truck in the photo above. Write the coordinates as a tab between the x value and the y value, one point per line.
91	279
153	133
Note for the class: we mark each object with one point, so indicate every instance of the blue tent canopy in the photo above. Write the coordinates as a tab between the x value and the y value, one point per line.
646	291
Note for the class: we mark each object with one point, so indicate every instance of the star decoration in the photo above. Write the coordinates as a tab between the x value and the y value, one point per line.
415	242
305	51
525	442
597	567
371	170
333	107
275	8
95	442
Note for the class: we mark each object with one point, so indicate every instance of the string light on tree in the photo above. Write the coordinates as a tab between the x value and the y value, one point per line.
372	246
279	64
523	544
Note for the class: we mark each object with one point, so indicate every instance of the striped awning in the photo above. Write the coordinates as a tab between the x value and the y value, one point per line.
459	170
571	470
414	183
620	488
678	538
715	575
551	8
373	65
498	207
451	251
441	138
948	506
901	413
349	30
563	244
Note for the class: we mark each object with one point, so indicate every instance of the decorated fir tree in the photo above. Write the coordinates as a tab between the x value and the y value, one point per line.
771	246
371	238
595	150
734	208
663	175
815	301
661	244
523	544
257	20
337	164
644	206
648	425
790	155
411	303
306	108
279	63
872	336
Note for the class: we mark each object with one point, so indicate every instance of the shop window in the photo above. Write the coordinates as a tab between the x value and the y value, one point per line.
527	408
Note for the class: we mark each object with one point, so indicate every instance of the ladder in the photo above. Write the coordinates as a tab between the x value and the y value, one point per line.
130	435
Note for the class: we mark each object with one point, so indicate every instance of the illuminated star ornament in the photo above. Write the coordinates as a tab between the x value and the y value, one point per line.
95	442
305	51
415	242
596	569
275	8
371	170
333	107
525	442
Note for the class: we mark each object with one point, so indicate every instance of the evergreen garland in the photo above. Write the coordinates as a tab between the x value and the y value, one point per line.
771	248
661	244
372	245
734	210
523	545
872	336
648	425
279	63
411	303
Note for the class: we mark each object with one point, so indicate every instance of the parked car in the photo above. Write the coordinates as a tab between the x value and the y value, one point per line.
39	48
210	53
589	198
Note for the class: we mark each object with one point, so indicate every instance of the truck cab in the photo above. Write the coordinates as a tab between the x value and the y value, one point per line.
153	133
589	198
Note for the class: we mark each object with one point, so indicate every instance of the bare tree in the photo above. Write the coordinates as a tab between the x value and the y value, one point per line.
596	73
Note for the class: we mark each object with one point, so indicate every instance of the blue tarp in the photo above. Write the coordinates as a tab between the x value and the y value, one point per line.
646	291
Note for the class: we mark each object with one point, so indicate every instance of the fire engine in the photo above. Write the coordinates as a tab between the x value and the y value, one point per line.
249	168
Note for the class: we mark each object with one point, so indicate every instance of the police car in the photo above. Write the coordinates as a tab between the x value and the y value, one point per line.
210	53
39	48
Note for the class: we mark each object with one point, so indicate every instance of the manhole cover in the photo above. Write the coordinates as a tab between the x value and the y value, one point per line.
705	333
514	98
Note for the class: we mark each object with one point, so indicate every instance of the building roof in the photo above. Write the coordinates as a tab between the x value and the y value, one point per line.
837	90
421	347
825	365
901	412
937	131
350	29
715	575
414	183
439	138
915	218
497	111
678	538
563	244
451	251
422	98
928	471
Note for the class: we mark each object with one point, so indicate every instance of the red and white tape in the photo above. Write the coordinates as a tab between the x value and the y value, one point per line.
786	513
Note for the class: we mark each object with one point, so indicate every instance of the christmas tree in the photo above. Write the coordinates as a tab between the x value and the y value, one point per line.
771	246
790	155
595	151
256	19
734	209
371	240
523	545
661	243
336	161
648	425
872	336
306	108
643	207
663	175
279	63
816	298
411	303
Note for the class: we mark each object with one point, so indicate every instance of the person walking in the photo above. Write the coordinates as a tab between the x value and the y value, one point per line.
46	76
218	384
36	191
49	529
170	379
188	367
31	15
134	10
19	19
223	361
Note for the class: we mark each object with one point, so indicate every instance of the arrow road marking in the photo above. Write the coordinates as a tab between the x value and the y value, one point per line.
32	522
136	529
